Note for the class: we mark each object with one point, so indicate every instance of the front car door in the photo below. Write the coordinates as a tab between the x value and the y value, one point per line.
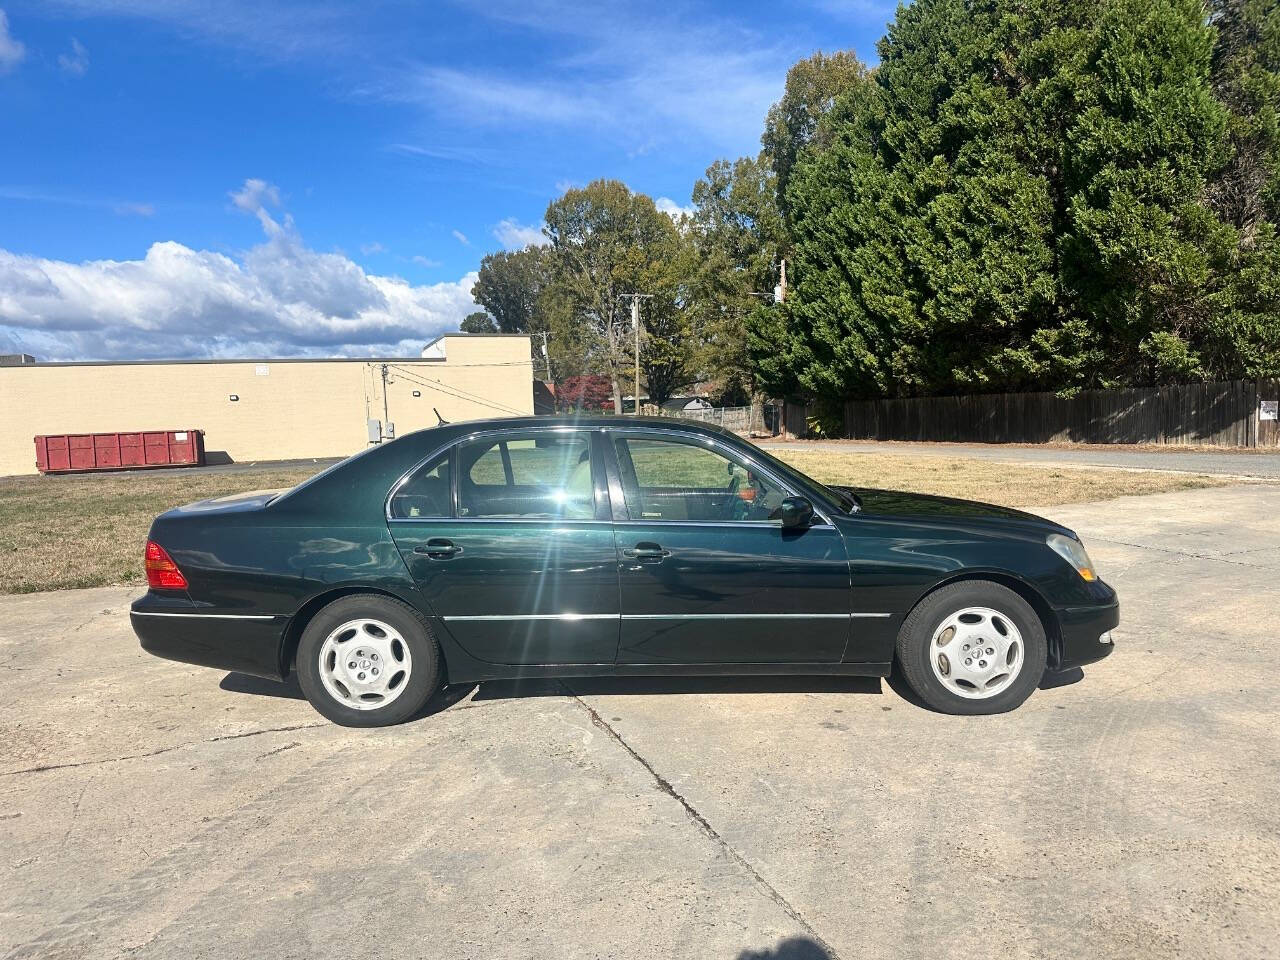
508	536
706	572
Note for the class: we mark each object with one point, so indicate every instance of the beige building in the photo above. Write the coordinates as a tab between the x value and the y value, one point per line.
266	409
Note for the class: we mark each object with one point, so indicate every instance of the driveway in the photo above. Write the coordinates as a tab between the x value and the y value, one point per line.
1265	464
151	809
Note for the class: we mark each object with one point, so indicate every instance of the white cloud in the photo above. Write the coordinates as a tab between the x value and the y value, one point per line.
255	197
278	298
369	249
639	76
672	209
461	238
281	31
450	154
122	207
635	74
426	262
515	235
75	63
12	51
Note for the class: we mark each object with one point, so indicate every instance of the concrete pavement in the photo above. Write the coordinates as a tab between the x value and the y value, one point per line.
155	810
1266	465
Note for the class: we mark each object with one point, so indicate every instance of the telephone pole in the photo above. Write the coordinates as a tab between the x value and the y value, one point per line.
545	356
635	326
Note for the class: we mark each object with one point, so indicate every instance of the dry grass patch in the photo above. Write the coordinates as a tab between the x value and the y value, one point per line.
58	533
1008	484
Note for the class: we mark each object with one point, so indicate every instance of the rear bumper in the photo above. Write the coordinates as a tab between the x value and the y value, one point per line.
179	630
1086	633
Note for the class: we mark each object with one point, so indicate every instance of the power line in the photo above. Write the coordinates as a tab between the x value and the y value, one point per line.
452	391
456	392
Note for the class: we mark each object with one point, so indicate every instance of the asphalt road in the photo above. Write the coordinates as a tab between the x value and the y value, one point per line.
1187	461
152	810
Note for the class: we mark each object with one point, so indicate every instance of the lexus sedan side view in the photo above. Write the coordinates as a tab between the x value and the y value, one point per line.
615	546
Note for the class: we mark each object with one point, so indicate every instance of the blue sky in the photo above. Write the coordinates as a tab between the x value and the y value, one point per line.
218	177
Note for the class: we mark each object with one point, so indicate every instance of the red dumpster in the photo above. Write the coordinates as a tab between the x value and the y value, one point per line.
69	452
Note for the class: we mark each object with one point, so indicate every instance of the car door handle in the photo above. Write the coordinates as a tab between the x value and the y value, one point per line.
439	549
646	550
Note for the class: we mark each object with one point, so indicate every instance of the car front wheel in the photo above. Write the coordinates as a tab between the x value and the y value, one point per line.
972	648
368	661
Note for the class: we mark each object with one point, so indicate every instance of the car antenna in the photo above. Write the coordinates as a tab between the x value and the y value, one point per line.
442	420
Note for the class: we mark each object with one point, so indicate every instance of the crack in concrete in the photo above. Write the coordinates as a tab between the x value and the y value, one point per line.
665	786
1181	553
42	768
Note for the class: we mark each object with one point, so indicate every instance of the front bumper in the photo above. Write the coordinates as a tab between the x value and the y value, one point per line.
179	630
1085	634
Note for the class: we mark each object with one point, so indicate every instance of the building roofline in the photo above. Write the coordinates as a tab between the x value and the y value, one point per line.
463	333
189	361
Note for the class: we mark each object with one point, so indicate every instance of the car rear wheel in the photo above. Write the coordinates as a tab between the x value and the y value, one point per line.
972	648
368	661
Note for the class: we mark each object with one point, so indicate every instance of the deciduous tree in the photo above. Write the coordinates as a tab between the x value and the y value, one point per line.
606	242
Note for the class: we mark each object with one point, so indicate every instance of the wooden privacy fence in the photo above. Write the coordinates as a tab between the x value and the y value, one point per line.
1215	414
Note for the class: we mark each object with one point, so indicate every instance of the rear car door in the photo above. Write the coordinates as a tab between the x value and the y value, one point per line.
707	574
508	535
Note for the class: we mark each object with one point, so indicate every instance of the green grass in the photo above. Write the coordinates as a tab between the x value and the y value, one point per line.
57	533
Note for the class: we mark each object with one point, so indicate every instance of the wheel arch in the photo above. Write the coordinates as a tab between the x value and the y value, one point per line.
307	612
1028	592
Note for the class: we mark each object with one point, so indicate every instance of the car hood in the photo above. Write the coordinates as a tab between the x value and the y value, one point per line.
923	506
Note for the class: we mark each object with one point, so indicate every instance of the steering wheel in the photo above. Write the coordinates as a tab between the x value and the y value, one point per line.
732	502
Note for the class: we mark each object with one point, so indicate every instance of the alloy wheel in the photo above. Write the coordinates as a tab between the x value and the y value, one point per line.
365	664
976	652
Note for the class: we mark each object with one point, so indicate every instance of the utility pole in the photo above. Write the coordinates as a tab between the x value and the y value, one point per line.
635	326
546	356
386	411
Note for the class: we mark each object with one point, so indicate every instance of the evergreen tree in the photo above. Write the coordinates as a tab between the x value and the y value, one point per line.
1243	335
1024	197
735	237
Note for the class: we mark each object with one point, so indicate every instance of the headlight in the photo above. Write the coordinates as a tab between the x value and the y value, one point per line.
1072	550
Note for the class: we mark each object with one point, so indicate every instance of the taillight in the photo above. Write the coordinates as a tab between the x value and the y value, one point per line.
162	572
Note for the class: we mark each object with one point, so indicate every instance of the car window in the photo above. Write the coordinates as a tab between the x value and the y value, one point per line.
540	475
679	480
427	493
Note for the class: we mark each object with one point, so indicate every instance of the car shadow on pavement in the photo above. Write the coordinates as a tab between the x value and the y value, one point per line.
452	694
1061	678
288	689
259	687
654	686
793	948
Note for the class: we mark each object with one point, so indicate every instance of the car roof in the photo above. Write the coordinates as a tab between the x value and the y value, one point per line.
588	421
359	484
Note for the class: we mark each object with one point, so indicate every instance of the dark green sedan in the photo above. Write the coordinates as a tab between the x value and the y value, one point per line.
619	546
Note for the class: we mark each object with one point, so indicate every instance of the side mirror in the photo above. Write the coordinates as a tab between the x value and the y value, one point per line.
797	513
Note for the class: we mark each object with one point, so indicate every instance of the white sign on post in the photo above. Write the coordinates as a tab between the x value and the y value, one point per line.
1269	410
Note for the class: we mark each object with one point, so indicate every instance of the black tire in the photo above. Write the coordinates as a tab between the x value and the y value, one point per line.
424	675
917	632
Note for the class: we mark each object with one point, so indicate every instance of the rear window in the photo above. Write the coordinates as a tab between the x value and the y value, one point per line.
428	493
